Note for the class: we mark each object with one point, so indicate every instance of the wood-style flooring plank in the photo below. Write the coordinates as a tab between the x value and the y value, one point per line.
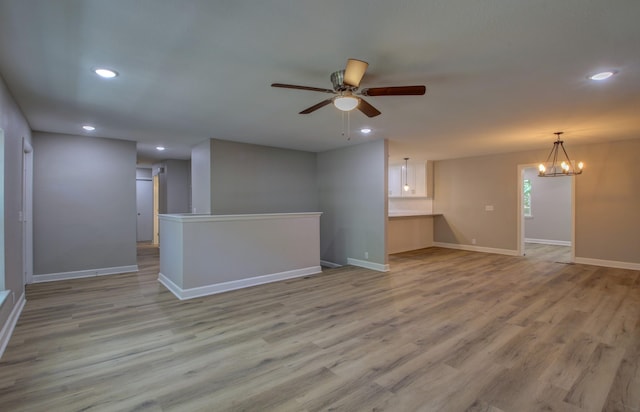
444	330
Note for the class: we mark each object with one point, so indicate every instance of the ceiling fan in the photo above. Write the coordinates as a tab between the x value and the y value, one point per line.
345	88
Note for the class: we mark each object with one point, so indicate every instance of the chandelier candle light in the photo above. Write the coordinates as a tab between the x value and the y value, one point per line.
555	166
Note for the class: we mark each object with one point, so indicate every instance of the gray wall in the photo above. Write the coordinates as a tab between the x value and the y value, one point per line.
174	186
348	185
201	177
248	178
143	173
607	200
178	186
353	185
550	208
84	203
15	128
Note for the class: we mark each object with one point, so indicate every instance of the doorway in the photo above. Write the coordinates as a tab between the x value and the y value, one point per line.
156	209
144	204
546	224
27	211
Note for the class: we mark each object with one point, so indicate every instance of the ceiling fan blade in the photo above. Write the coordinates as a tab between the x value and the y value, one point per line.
354	72
293	86
367	109
394	91
316	106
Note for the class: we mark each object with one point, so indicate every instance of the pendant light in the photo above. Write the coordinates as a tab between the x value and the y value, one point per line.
555	166
406	181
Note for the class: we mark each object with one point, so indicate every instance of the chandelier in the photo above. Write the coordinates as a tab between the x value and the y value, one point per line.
557	164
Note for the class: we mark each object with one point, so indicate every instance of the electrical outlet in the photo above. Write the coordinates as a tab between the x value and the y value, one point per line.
473	241
366	255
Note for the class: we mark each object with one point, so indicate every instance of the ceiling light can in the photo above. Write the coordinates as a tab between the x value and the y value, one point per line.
602	75
105	73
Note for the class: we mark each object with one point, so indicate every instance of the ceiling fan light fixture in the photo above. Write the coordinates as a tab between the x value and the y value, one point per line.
346	103
346	84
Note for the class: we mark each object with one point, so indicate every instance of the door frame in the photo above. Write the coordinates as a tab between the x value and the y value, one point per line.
520	226
27	211
156	206
149	211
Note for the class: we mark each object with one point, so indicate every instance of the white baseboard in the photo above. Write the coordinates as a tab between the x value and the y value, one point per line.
608	263
171	286
4	294
548	242
584	261
216	288
368	265
10	324
51	277
473	248
329	265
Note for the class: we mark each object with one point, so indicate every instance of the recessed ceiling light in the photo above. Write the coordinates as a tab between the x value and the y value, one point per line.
88	128
365	130
602	75
106	73
161	148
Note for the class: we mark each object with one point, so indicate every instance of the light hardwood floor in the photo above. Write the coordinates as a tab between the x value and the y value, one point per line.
444	330
551	253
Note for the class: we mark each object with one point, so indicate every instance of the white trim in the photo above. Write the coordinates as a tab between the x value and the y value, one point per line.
368	265
473	248
187	217
10	324
173	288
216	288
50	277
548	241
329	265
608	263
26	212
3	296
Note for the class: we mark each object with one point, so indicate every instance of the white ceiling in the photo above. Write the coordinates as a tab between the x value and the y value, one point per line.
501	75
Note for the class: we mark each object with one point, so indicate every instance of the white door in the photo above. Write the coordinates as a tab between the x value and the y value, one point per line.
144	202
